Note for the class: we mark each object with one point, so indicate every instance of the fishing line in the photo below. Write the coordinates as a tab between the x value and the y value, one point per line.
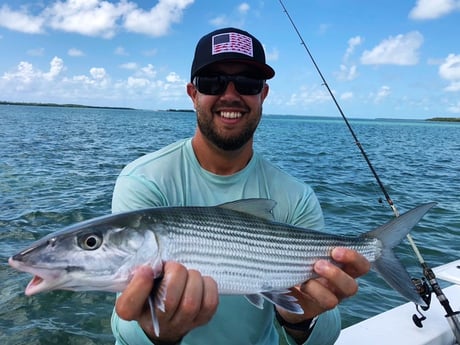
453	317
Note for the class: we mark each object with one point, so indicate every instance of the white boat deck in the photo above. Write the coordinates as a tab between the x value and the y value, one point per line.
395	326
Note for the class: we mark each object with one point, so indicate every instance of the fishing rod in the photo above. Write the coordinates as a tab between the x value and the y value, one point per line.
453	318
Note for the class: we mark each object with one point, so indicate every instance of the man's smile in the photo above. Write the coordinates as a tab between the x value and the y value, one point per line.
231	114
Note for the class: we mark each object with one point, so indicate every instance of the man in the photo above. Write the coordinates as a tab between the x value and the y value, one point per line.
219	165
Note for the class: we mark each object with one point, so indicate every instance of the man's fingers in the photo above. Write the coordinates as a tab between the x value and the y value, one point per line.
209	302
338	281
353	263
323	297
131	303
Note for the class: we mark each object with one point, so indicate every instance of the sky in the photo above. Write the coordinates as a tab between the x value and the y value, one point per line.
380	58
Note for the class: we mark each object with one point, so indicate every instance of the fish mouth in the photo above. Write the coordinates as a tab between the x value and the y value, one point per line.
34	285
44	279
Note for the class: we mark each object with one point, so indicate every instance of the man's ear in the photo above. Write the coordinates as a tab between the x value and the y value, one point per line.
264	92
192	92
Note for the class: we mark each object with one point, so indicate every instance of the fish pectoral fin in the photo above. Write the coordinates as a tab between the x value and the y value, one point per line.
283	300
261	208
155	322
280	298
256	300
156	301
159	293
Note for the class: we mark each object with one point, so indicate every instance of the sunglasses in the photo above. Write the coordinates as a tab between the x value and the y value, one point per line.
216	85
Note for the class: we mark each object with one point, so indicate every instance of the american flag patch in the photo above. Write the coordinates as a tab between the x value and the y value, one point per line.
232	42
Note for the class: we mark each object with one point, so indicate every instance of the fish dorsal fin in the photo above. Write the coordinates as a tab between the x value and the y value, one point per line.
261	208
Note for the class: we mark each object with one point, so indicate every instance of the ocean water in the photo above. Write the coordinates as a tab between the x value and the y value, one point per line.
58	166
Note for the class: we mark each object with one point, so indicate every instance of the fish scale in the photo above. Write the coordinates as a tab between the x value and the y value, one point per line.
245	254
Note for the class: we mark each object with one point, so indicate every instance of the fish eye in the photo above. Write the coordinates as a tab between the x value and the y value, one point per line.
90	241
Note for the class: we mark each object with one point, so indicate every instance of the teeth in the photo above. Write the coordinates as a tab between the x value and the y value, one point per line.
230	114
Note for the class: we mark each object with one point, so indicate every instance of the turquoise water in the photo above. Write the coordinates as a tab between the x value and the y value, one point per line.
58	166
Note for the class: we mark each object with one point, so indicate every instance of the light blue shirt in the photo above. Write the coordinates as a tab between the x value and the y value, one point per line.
173	176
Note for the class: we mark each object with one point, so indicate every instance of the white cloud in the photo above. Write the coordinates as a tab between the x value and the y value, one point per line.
121	51
86	17
129	66
26	74
173	78
75	52
236	18
138	82
352	44
307	96
20	21
450	70
98	18
95	87
383	93
399	50
347	73
243	8
453	86
346	95
98	73
272	55
158	20
323	28
433	9
56	67
219	21
86	85
148	71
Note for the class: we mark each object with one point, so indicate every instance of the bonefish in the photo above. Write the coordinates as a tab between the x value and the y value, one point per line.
238	244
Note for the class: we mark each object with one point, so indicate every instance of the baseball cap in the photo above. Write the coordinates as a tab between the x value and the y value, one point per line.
230	44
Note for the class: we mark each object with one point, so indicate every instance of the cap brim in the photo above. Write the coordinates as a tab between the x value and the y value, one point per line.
262	71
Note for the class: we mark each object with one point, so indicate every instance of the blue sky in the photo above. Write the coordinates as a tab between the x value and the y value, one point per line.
382	58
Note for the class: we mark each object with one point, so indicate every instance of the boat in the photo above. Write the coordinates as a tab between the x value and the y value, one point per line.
396	325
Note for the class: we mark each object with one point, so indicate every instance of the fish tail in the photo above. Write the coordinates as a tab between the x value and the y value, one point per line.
388	265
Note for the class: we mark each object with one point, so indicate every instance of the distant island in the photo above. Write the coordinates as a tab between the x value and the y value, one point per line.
181	110
445	119
61	105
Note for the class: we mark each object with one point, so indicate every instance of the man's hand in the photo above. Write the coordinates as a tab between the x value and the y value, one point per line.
334	284
191	300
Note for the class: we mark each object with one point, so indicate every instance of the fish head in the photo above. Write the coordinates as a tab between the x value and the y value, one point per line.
100	254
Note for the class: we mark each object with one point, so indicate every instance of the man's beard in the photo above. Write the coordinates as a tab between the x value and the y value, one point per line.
226	143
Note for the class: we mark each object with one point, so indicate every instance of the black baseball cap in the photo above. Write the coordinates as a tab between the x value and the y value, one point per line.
230	44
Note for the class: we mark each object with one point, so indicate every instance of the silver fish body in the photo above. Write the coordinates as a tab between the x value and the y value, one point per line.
238	244
247	254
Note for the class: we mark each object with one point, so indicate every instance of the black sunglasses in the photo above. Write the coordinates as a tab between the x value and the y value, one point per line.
216	85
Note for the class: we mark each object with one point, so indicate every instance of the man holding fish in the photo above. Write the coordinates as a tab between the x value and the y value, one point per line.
216	166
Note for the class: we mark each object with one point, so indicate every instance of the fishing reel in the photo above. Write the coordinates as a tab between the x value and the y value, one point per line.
424	291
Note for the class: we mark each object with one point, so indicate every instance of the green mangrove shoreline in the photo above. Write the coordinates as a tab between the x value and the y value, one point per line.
436	119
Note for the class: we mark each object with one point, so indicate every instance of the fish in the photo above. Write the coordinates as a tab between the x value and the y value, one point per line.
238	244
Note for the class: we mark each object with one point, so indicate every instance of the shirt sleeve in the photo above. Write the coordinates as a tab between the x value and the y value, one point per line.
128	332
325	332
